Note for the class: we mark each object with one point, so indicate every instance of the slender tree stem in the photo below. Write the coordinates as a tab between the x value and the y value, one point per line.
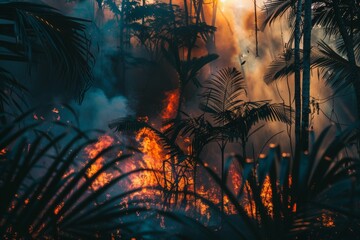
223	180
297	91
256	30
306	76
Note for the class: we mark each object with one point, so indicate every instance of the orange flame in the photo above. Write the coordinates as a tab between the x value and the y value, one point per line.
92	151
152	159
171	103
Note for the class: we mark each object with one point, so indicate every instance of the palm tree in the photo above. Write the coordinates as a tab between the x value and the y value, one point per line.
306	76
338	19
37	28
222	100
233	117
274	10
297	86
168	28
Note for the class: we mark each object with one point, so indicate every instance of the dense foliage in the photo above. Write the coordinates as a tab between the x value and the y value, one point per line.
189	173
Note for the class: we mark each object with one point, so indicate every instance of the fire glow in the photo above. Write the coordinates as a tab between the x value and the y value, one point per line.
92	151
171	104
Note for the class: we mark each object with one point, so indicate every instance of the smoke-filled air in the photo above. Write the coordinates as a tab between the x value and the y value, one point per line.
180	119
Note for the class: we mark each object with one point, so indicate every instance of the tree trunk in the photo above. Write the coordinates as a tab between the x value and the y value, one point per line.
143	18
306	76
120	87
243	146
297	91
195	198
256	30
223	180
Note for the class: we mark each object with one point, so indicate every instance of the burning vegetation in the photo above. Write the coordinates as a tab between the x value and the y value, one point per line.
230	152
93	151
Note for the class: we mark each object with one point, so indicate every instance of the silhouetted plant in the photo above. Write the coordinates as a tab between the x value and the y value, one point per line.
321	204
233	117
224	101
46	192
37	28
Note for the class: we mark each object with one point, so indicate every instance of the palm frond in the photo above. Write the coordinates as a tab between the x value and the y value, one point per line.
200	131
280	67
336	70
12	93
42	29
324	16
265	111
45	192
223	93
275	9
195	65
341	47
251	113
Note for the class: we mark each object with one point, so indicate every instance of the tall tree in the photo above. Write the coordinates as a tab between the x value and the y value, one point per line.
297	91
346	33
233	116
339	19
306	75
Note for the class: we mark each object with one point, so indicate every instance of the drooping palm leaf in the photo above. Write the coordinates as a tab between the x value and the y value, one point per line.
40	198
42	29
198	129
34	182
265	111
275	9
252	113
281	67
337	70
341	47
324	16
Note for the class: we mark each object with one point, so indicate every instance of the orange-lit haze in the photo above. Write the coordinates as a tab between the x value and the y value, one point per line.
239	17
235	43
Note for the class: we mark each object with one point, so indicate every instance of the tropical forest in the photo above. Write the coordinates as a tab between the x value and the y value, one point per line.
180	119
